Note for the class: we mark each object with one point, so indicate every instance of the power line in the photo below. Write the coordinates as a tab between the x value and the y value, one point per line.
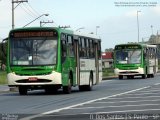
33	9
27	11
38	13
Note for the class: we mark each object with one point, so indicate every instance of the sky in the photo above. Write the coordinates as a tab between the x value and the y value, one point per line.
117	19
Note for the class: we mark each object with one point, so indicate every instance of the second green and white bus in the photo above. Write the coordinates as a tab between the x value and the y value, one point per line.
135	60
53	58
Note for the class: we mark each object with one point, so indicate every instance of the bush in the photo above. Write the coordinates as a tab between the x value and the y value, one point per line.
108	72
3	77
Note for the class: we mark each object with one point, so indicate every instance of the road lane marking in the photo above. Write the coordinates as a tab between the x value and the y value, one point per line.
139	105
127	101
134	97
91	101
157	84
157	90
142	94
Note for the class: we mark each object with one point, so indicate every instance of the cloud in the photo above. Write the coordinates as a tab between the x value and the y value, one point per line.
156	10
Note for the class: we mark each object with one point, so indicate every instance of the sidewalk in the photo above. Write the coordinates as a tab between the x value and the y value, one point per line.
4	88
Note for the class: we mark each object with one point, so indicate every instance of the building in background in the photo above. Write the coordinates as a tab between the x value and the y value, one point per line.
107	59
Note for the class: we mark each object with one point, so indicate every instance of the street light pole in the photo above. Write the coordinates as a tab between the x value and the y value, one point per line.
97	28
35	19
12	14
138	24
152	29
13	8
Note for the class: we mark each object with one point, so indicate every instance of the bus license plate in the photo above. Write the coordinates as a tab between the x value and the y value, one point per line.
32	79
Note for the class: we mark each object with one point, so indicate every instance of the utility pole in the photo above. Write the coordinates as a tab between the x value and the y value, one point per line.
18	2
152	29
138	24
45	22
97	28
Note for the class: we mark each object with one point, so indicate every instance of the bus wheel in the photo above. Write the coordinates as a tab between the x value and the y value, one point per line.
120	77
67	89
149	75
22	90
132	76
89	86
152	75
82	88
144	76
128	77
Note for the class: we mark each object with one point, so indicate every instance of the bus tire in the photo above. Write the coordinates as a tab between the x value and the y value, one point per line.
81	88
152	75
149	75
90	85
144	76
120	77
22	90
67	89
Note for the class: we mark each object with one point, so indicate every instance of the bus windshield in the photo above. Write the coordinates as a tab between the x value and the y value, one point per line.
130	56
33	51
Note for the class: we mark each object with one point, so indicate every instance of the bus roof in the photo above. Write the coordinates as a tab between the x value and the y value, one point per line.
62	30
141	44
86	35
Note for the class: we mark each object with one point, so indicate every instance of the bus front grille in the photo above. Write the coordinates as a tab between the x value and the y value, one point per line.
128	72
37	81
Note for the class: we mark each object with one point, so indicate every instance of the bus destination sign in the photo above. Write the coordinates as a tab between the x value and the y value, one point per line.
34	34
127	47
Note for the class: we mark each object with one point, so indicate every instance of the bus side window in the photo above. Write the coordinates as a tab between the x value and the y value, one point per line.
91	47
64	47
99	49
83	47
87	48
70	45
80	47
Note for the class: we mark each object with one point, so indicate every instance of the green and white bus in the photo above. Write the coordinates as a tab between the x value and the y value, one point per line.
51	58
135	60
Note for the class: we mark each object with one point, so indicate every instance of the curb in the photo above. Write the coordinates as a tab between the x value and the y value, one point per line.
13	89
109	77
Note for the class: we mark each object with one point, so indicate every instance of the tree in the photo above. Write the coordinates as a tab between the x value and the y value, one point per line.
3	49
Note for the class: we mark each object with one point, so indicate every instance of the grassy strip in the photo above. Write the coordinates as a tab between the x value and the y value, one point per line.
3	77
108	72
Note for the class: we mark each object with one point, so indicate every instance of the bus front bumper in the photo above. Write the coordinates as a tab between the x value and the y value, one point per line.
138	71
51	79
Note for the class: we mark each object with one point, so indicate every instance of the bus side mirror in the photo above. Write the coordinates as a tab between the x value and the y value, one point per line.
4	47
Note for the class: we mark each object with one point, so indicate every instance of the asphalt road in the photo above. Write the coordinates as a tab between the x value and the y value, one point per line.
133	99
